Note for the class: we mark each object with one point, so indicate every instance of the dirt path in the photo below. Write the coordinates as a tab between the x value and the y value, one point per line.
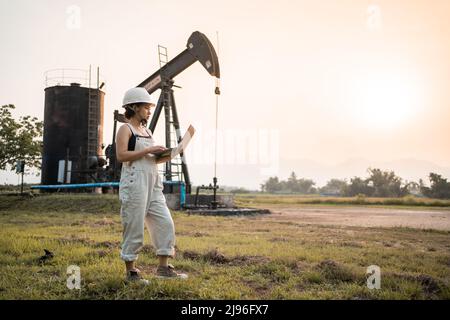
365	217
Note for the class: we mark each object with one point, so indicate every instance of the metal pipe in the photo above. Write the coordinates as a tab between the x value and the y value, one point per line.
78	186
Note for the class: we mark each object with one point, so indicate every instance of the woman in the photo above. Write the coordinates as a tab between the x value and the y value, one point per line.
140	191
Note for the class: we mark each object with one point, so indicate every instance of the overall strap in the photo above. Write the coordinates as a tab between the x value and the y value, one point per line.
148	132
132	130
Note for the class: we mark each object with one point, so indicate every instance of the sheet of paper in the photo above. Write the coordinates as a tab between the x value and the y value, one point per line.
184	142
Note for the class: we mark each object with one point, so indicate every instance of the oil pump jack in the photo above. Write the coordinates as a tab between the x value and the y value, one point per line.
198	48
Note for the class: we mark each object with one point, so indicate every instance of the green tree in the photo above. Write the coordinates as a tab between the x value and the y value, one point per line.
271	185
358	186
306	186
292	183
439	189
386	184
412	187
19	140
335	187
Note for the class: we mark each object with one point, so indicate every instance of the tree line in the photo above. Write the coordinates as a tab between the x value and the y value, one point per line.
379	183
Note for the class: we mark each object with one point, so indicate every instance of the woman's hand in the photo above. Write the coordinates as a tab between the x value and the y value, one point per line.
156	149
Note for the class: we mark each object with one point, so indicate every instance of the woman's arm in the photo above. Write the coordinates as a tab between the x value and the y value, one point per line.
122	153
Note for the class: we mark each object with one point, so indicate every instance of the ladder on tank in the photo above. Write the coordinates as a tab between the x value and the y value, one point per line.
93	117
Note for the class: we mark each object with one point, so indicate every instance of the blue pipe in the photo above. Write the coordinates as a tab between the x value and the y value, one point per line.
182	195
182	190
78	186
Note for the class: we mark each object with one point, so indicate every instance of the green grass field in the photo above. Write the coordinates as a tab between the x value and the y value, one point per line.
283	199
244	257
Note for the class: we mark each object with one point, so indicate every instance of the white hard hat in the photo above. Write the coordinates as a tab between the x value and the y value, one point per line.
136	95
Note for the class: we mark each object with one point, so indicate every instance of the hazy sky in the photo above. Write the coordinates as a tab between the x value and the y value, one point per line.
326	80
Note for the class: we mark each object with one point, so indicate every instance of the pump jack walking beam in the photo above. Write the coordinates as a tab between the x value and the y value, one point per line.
199	48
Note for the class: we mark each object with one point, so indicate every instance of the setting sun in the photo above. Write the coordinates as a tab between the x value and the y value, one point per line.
386	101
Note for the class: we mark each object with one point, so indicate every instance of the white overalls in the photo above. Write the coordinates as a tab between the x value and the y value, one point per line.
142	200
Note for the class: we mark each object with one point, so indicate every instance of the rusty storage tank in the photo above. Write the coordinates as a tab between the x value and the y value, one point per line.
73	130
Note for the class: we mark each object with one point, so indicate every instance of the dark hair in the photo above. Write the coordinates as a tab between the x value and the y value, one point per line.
129	113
